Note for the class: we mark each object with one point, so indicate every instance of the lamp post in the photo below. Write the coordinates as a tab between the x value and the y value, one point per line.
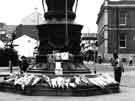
94	55
94	47
10	38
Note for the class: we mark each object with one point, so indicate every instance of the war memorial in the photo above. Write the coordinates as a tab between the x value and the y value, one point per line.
59	68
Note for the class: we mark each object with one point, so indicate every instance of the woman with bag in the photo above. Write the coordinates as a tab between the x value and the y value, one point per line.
118	68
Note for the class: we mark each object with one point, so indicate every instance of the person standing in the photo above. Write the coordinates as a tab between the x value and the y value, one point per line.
23	64
118	68
130	61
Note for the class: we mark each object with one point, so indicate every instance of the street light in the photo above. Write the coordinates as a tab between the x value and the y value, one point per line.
10	38
94	49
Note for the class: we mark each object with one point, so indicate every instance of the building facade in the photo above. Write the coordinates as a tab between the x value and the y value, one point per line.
26	45
26	39
34	18
116	28
27	34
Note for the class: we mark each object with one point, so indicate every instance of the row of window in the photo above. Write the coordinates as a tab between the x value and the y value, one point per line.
122	21
122	18
122	40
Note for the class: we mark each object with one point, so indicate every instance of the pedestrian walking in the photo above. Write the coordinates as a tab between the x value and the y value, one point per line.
130	61
23	64
118	67
99	59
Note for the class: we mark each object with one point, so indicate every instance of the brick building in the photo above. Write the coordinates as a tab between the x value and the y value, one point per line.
116	28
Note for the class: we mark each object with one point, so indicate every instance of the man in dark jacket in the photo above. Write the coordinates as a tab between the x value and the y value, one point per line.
23	64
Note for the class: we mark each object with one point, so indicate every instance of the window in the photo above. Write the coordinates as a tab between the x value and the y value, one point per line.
123	18
122	41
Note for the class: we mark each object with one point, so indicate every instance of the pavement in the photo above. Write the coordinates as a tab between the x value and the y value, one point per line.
127	88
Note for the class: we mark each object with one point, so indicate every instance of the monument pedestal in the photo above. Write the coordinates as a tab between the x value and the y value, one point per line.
54	75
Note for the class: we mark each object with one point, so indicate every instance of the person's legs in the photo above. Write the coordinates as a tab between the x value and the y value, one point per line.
115	75
118	75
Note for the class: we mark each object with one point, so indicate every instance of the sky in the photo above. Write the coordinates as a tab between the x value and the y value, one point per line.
13	11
